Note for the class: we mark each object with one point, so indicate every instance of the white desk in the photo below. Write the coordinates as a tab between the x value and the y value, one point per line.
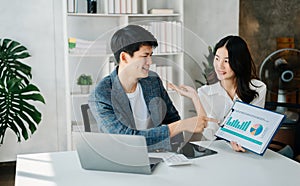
225	168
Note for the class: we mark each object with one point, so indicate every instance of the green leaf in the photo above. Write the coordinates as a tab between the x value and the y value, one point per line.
12	45
23	55
29	88
16	92
10	67
5	44
13	126
34	97
31	111
22	126
31	125
18	49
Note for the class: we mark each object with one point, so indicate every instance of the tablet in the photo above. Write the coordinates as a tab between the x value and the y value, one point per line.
191	150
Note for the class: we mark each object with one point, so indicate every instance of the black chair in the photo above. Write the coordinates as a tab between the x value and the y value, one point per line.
89	122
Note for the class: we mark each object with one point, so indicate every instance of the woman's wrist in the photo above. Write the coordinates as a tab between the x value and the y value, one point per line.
195	98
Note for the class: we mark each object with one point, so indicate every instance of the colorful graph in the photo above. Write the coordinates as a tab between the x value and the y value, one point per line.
235	123
256	129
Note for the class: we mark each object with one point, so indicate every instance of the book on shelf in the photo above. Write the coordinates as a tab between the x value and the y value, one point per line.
174	36
165	72
71	6
250	126
129	6
169	76
161	11
153	67
163	37
134	5
168	35
162	73
122	6
117	5
111	6
179	41
169	32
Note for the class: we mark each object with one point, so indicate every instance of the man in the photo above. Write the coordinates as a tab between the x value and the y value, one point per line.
132	99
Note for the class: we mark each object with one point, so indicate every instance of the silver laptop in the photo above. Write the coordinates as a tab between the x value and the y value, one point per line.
114	152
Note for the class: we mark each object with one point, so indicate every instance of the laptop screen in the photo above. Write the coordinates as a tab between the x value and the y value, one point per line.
113	152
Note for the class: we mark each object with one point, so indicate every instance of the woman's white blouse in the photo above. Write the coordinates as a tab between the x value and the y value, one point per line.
216	103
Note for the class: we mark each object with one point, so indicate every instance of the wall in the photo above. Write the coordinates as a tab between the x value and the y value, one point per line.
206	22
38	25
262	21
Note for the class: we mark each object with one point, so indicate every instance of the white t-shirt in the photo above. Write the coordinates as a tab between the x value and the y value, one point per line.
139	109
216	103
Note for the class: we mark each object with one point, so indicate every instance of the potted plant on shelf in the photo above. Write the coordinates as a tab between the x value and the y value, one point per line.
209	72
84	81
17	112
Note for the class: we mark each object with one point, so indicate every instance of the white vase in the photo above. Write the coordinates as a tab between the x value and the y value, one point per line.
85	89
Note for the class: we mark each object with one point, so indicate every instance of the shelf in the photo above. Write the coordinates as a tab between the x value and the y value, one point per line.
152	15
109	55
122	15
89	55
99	27
79	95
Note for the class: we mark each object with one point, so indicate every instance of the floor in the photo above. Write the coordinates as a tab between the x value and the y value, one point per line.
7	173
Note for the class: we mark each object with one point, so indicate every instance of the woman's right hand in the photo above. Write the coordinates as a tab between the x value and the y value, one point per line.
193	125
184	90
236	147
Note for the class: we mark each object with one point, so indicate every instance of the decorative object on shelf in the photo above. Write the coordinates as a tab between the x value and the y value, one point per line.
92	6
285	42
85	47
16	92
71	43
84	81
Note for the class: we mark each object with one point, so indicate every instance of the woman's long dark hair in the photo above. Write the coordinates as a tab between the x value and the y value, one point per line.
241	63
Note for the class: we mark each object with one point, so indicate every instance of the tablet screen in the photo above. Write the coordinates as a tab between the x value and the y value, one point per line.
191	150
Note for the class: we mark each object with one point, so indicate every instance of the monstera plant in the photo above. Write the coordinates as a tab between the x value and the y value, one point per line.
17	94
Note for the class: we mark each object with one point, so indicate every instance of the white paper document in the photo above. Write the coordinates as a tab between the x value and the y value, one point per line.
250	126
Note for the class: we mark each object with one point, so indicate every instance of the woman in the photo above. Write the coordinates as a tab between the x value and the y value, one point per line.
236	72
